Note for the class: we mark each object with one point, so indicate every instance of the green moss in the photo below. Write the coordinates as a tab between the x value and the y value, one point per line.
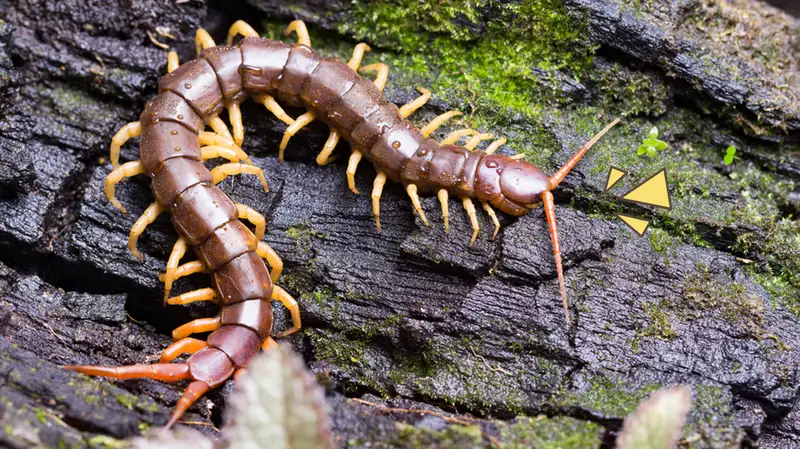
551	433
303	234
704	294
41	415
105	442
661	240
607	396
625	92
659	325
452	436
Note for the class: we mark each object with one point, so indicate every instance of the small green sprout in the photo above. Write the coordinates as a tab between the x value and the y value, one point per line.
729	153
651	144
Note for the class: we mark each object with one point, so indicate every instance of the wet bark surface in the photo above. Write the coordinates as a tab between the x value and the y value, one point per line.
411	317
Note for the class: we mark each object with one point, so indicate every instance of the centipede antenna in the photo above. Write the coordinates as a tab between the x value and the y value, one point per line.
191	394
550	214
562	172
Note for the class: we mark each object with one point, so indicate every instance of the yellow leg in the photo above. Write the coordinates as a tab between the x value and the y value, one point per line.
358	55
268	344
236	168
126	170
219	127
323	158
172	62
184	346
240	27
352	165
195	327
148	216
473	218
207	138
493	216
409	108
412	193
443	200
129	131
235	117
213	151
428	129
475	140
382	71
495	145
272	106
276	264
178	251
299	27
377	190
203	294
457	134
298	124
279	294
186	269
249	214
203	40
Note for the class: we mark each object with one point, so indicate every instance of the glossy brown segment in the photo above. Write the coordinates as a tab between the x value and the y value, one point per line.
210	365
301	63
326	85
226	62
225	244
200	210
168	106
361	101
255	314
177	175
262	62
368	131
166	140
239	343
197	83
245	277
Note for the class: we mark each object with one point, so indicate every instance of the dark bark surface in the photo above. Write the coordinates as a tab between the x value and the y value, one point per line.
410	316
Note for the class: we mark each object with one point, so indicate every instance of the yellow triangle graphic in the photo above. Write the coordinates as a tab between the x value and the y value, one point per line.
614	175
654	191
637	224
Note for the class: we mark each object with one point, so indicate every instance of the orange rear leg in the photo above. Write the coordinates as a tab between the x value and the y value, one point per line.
185	346
167	372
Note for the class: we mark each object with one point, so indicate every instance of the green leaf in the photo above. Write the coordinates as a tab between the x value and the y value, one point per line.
641	150
728	159
657	422
653	134
651	152
660	145
731	150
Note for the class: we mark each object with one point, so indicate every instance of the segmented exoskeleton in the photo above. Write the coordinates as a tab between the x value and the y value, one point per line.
193	95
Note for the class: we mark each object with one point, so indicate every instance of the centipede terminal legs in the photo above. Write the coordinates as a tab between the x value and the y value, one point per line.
148	217
166	372
187	345
127	132
125	170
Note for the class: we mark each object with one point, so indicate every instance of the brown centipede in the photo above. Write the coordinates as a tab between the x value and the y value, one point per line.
193	95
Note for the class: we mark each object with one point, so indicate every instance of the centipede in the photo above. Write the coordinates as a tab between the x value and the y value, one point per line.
174	145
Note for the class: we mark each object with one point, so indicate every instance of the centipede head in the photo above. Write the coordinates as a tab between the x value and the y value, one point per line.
522	186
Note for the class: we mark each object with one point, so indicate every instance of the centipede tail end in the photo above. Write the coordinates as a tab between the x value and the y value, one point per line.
550	214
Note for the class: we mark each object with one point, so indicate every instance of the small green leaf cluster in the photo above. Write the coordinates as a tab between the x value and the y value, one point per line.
651	144
729	154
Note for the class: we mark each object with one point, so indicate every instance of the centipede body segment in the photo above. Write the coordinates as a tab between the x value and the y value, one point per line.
174	145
